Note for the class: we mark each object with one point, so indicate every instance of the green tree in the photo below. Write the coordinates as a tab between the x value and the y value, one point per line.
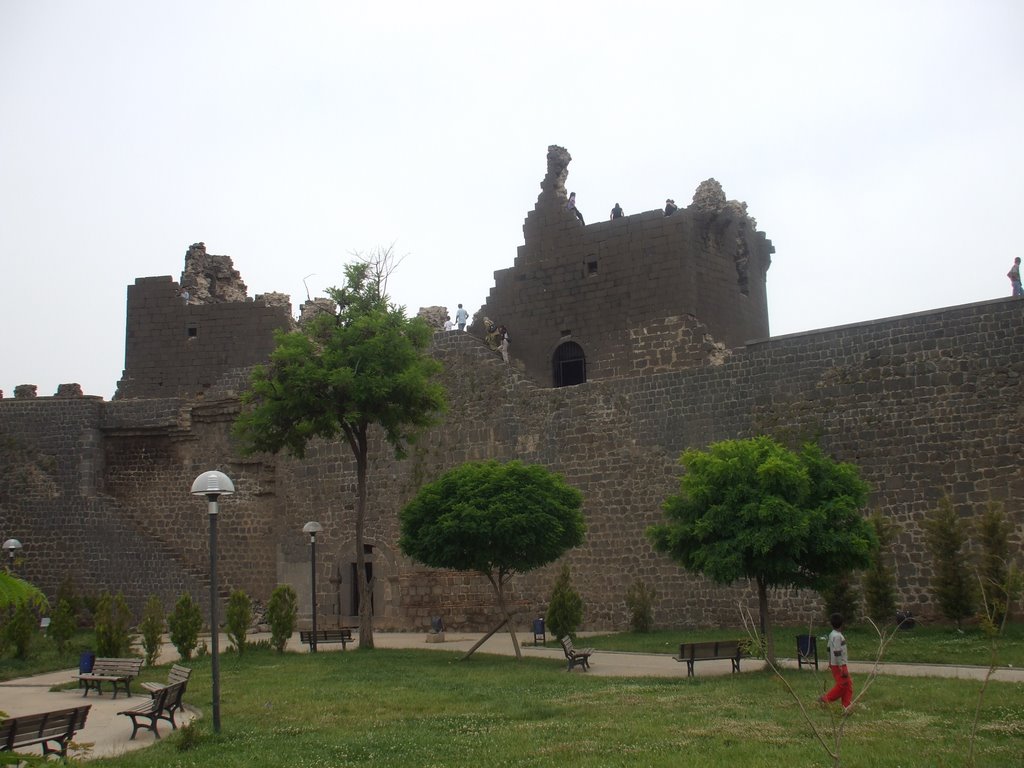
565	610
183	626
339	375
752	509
19	628
496	519
152	629
840	595
640	604
14	591
63	625
282	614
880	577
1000	584
238	617
953	585
113	621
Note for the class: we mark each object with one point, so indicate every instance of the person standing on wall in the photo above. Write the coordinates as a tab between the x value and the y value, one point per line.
616	212
1014	275
571	205
503	344
461	316
670	207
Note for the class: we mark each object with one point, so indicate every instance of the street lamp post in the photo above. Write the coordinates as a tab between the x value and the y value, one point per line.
213	485
312	528
11	546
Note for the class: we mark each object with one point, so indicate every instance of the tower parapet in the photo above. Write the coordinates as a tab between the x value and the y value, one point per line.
587	302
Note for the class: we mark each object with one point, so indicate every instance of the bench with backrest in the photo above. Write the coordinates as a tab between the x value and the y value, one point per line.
575	657
177	674
341	635
118	672
710	650
46	727
160	707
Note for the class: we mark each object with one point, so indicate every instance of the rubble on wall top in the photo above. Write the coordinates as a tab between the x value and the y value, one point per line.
211	279
316	307
434	316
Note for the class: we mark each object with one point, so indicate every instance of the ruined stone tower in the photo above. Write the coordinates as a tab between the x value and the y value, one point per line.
637	295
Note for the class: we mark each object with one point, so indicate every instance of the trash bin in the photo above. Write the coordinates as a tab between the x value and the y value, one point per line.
539	638
85	664
806	651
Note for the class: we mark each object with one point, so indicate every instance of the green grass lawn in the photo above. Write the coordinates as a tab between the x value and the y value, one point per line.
427	708
923	644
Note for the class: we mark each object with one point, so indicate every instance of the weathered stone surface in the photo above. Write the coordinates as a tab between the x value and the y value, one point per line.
25	391
435	316
209	278
316	307
925	404
69	390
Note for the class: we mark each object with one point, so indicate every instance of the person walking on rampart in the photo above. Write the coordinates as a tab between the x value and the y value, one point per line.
461	316
571	205
503	344
670	207
1014	275
616	212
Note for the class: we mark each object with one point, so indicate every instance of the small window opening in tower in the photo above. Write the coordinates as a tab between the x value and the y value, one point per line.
192	331
569	365
592	267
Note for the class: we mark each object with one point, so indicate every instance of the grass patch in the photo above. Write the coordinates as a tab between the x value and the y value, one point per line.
43	656
426	708
923	644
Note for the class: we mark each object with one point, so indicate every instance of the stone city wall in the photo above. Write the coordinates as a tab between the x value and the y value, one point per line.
925	404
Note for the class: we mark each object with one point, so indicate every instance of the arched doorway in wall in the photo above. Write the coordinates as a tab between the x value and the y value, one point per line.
569	364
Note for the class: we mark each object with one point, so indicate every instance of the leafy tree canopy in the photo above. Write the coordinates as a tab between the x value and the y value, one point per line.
14	591
493	518
342	372
754	509
497	519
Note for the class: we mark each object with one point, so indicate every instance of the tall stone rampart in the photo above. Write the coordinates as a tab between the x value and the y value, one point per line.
926	404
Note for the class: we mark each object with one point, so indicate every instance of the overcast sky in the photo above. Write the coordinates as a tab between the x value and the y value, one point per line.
878	144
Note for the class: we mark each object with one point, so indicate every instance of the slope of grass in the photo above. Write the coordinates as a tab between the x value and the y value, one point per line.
426	708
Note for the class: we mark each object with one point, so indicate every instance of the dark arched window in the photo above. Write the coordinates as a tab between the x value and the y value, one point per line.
570	364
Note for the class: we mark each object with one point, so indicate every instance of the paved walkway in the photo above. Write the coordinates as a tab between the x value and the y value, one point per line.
108	733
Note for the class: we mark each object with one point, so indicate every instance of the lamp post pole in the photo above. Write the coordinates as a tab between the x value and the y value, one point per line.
312	528
213	485
11	545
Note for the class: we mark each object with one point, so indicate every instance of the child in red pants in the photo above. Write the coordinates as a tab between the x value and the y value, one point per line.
837	662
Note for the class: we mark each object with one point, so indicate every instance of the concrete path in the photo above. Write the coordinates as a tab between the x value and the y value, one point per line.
107	733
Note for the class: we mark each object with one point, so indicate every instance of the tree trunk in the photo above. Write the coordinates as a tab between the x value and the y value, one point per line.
766	628
499	587
481	641
364	585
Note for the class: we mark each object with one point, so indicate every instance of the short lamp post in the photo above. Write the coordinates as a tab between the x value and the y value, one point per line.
312	528
11	546
213	485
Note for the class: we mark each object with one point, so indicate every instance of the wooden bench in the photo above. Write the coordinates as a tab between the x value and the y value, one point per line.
57	726
118	672
574	657
343	636
709	650
161	706
177	674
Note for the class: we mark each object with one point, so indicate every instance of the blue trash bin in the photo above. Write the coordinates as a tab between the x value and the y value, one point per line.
86	662
539	638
